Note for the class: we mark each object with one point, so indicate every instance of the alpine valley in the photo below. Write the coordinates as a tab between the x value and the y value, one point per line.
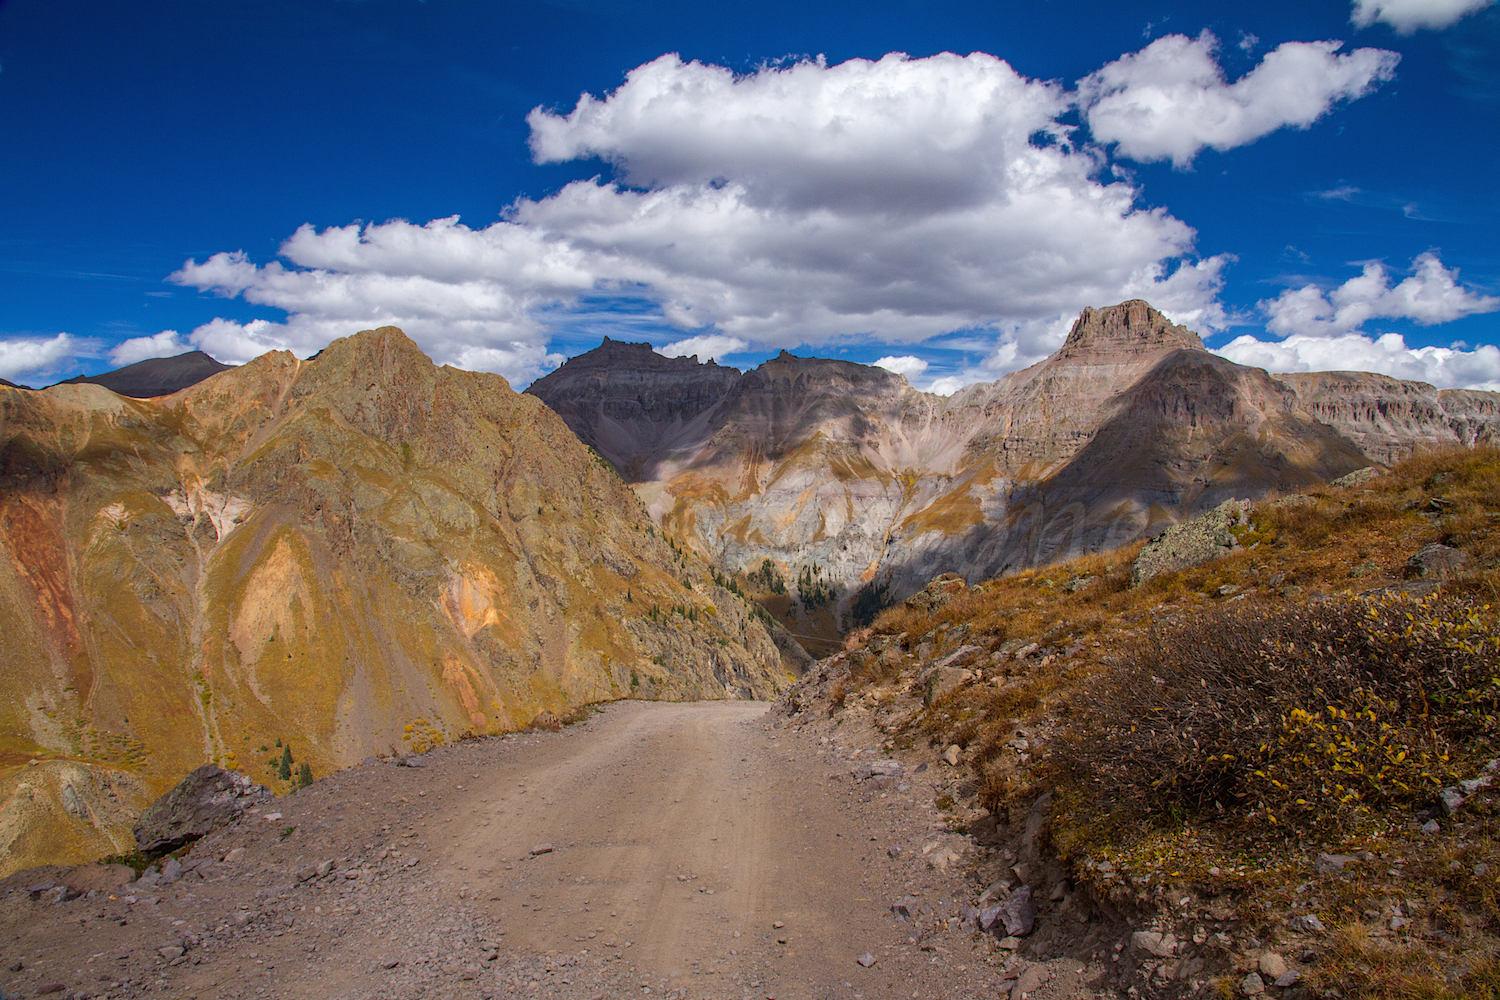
363	553
852	482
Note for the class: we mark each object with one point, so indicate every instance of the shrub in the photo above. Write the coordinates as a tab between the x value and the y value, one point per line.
1312	718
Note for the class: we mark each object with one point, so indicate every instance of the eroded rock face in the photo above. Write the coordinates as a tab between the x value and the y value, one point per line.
208	798
349	554
1129	427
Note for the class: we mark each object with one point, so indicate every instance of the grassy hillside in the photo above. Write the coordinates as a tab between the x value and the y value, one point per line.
1264	737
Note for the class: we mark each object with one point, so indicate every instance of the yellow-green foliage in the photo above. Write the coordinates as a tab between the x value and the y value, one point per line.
1305	723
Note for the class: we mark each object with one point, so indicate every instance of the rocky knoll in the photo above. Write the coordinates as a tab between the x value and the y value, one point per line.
1130	426
322	559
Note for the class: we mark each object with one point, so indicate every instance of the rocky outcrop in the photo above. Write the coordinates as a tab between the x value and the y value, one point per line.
1191	543
352	554
208	798
847	472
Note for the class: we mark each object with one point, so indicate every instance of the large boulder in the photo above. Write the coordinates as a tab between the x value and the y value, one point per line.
939	591
1191	543
1435	561
205	800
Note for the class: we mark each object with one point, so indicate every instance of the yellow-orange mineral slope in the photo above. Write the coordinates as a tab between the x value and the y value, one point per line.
345	555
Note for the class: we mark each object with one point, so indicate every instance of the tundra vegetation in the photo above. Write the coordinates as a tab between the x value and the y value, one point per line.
1221	731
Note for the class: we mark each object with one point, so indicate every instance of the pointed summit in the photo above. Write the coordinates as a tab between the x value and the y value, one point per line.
1130	328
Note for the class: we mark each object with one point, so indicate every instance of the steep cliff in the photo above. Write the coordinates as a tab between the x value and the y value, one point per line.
847	471
348	554
1388	418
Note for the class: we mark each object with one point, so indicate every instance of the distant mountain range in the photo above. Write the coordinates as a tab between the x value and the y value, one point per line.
847	472
156	376
348	555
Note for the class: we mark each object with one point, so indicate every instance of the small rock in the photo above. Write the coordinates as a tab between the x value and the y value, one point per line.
1475	784
234	855
241	918
1252	985
271	817
1030	981
1010	943
1327	864
170	952
414	762
1451	800
324	868
541	849
1018	914
894	851
905	908
950	756
1152	943
866	960
1308	922
171	870
1431	827
390	963
1287	979
1272	965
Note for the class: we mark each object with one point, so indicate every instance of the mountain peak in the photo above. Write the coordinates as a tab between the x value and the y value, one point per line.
156	376
1130	328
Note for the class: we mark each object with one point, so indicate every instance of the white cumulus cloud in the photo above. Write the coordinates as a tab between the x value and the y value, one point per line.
1444	367
167	344
1171	99
890	200
466	296
1430	295
711	345
25	358
1322	330
908	365
1408	16
897	197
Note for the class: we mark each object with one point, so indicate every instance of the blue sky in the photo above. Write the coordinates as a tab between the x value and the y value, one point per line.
942	186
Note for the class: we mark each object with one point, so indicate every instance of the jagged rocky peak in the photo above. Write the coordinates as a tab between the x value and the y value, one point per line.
1130	328
614	353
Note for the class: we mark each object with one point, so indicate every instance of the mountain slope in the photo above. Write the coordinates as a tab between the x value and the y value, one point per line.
156	376
847	473
348	554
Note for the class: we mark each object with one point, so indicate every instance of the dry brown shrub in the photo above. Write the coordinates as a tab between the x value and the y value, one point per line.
1309	719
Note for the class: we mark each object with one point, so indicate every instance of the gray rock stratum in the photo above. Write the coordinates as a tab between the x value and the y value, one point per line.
1132	425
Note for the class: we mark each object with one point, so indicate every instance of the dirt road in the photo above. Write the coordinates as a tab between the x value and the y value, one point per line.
682	849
